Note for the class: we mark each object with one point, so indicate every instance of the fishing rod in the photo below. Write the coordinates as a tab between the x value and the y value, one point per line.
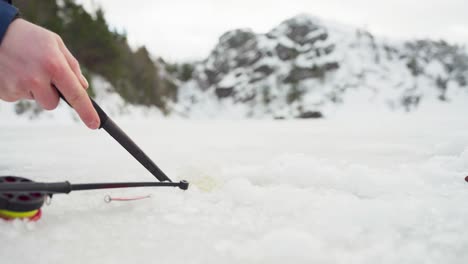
124	140
23	198
18	184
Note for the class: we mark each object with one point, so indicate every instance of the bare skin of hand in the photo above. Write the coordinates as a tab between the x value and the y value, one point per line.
32	60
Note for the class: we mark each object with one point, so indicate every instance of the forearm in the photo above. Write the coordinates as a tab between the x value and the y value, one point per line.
7	14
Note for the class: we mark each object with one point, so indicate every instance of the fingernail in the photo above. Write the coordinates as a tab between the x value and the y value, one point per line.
94	124
85	81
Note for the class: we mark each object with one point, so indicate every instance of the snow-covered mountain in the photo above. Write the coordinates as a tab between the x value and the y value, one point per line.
306	67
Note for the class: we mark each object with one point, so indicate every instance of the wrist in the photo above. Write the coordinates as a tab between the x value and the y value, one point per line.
8	13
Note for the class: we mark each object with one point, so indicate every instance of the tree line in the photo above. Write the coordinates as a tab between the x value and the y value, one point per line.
101	50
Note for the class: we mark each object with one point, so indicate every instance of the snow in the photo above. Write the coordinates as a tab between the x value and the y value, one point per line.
105	96
395	74
367	184
381	189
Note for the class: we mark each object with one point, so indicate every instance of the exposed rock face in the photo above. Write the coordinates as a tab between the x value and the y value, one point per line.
304	65
310	114
285	53
298	74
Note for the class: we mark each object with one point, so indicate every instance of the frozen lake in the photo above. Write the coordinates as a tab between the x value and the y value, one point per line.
387	190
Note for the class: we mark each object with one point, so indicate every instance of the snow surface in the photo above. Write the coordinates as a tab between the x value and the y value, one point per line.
388	189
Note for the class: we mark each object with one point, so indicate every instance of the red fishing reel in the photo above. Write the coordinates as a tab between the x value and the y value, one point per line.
20	205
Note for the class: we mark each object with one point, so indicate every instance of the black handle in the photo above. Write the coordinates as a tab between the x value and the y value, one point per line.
51	188
125	141
102	115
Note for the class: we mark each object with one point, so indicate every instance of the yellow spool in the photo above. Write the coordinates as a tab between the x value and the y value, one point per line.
13	215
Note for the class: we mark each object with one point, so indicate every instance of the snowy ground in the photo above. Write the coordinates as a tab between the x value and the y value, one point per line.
387	190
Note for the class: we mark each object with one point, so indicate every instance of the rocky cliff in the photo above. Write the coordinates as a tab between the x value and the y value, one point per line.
306	66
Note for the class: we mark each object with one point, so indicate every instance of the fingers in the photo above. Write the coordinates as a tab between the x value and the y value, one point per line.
73	63
69	85
37	87
46	96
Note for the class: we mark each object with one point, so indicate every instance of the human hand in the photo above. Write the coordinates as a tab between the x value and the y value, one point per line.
32	60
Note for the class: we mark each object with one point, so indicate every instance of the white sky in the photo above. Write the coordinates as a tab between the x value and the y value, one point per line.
186	30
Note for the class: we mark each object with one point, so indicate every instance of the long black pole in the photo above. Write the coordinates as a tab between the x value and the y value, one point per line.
125	141
67	187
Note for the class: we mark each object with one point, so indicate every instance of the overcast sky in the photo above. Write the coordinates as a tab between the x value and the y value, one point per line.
185	30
